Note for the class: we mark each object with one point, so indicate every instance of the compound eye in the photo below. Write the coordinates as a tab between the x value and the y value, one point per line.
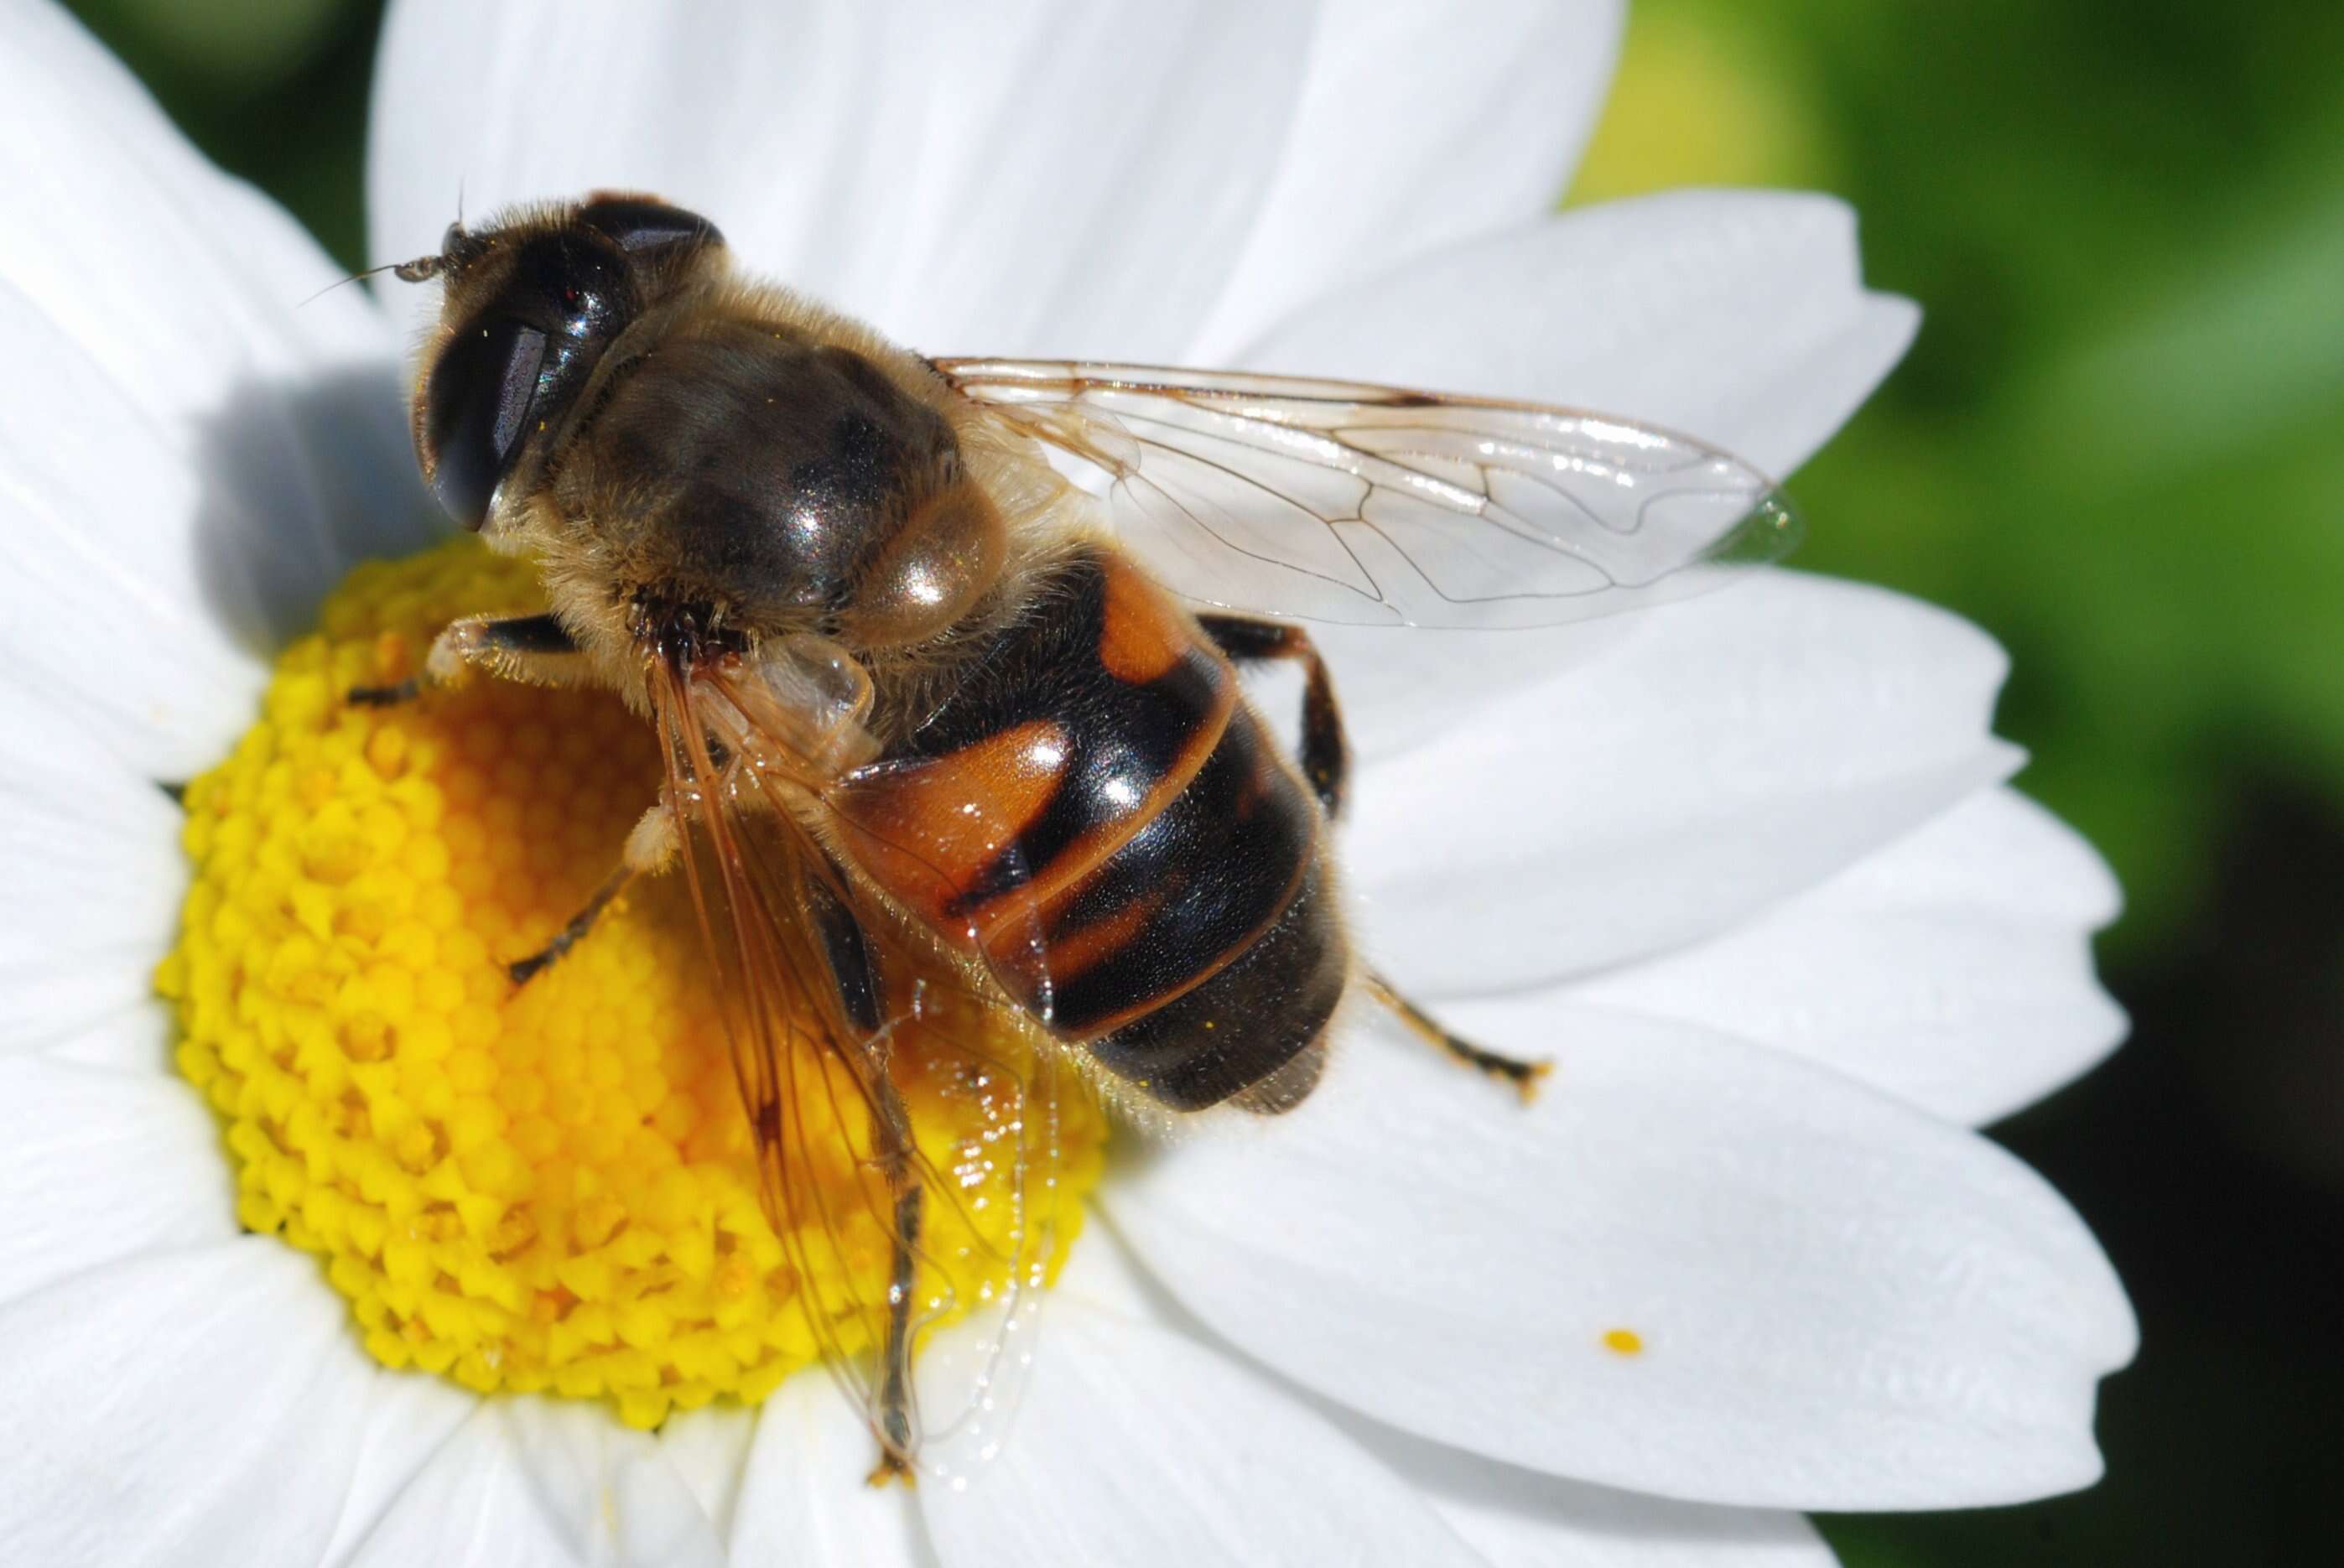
638	223
475	411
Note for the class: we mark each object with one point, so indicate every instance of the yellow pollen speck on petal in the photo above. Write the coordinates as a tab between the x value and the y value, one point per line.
1623	1341
548	1187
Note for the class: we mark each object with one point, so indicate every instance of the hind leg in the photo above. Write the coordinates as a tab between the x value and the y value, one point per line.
1521	1074
1326	751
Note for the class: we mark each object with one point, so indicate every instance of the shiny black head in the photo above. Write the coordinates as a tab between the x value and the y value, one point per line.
533	302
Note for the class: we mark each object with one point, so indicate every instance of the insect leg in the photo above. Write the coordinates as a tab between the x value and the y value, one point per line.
532	649
854	982
650	848
1523	1075
856	987
1326	752
893	1139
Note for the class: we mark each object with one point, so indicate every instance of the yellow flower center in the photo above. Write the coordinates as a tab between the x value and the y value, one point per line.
547	1187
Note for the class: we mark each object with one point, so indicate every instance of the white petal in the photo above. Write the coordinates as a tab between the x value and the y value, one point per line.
770	118
1419	126
1537	1521
1842	1302
189	1407
1739	317
405	1420
1401	688
1735	750
1517	1518
197	538
1508	1514
1952	968
107	510
187	455
97	875
527	1481
179	280
802	1490
1044	177
110	1168
710	1450
102	1166
1137	1442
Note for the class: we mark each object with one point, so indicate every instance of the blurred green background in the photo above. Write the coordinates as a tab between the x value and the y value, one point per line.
2119	445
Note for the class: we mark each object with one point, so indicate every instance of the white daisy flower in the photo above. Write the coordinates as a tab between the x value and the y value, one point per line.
1747	867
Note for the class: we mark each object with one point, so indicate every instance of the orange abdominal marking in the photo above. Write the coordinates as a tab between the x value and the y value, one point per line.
1143	639
1075	953
960	810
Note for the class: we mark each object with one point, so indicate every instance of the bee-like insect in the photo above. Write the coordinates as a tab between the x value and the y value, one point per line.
934	722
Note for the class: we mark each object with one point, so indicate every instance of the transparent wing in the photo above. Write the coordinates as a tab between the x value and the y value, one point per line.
1349	502
928	1084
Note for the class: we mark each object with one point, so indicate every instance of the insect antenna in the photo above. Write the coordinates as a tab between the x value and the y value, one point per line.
414	271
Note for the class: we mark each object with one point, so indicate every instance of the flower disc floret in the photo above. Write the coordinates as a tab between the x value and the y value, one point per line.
543	1188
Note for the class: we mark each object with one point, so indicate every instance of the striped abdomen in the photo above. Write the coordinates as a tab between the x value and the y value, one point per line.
1098	812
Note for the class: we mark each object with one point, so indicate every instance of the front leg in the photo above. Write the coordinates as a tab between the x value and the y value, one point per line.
535	650
650	848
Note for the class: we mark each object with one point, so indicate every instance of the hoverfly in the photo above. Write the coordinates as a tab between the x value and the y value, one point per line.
941	741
